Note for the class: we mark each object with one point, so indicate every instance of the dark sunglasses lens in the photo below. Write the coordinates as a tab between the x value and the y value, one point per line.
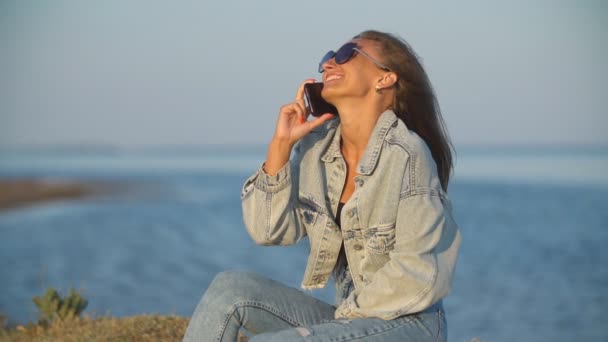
329	55
345	53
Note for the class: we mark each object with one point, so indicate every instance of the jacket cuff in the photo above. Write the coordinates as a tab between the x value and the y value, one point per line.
268	183
343	311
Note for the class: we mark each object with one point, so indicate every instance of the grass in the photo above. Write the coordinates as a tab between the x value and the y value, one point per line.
135	328
142	328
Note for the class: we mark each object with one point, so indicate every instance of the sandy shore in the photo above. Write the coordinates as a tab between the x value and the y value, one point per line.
22	192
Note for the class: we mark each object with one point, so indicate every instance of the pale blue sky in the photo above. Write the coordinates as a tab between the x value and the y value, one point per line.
135	73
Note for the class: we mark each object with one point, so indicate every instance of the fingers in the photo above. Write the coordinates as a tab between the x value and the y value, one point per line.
300	93
294	109
303	111
299	101
320	120
297	110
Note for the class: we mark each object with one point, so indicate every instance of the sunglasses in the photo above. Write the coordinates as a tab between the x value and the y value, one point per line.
345	53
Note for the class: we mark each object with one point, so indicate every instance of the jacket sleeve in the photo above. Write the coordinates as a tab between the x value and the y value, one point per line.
270	210
421	264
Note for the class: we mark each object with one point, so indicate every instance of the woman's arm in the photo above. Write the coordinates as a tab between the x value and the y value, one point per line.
269	205
269	197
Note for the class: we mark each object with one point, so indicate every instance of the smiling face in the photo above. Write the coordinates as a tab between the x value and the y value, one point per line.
357	78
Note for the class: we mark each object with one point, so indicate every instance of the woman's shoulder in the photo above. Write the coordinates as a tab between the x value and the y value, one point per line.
417	152
409	141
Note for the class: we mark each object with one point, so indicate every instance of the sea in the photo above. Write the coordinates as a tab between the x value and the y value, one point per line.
533	265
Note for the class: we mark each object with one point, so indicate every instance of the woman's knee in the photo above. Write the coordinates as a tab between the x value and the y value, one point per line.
238	285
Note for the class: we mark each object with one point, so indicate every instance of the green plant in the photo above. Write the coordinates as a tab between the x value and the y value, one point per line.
52	306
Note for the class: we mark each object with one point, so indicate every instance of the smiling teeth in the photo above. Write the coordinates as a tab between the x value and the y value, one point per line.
333	77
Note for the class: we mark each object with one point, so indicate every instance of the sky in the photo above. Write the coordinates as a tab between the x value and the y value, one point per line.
147	73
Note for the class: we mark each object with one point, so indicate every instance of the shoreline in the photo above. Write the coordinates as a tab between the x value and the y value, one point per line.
22	192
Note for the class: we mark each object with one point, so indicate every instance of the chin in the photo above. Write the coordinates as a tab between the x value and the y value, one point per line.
330	94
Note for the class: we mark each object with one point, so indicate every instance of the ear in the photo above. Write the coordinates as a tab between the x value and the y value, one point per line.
388	80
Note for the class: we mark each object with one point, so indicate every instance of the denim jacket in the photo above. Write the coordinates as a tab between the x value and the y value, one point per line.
400	239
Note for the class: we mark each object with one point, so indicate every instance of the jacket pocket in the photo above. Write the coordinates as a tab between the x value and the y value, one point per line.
380	239
308	212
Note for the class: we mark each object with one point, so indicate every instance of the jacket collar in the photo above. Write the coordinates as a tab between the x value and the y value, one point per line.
370	157
333	150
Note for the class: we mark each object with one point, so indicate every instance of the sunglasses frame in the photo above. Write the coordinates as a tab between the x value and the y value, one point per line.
352	49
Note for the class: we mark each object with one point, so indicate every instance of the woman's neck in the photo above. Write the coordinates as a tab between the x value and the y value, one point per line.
356	126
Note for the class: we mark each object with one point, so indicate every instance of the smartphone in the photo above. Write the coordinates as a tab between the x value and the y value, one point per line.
315	104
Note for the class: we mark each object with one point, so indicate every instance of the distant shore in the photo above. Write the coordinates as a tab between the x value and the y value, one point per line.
16	193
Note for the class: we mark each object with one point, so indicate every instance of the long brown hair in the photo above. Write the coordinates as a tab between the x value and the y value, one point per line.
415	102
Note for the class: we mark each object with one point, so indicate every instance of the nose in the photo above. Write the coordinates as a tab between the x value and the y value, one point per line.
329	64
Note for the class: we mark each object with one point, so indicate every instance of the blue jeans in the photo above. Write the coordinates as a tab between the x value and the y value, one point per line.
274	312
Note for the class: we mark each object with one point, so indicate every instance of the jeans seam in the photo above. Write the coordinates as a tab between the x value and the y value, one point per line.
377	333
438	324
259	305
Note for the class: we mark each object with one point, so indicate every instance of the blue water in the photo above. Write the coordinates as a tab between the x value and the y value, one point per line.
532	264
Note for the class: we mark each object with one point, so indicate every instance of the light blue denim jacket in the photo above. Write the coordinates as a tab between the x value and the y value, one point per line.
399	236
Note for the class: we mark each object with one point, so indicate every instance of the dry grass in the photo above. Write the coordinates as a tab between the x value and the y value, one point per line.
141	328
136	328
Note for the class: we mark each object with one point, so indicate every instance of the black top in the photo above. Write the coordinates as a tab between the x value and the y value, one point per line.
341	264
340	206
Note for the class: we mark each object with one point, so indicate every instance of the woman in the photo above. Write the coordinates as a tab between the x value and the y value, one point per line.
369	191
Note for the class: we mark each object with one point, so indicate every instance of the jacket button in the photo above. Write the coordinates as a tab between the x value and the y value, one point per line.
360	182
351	213
358	247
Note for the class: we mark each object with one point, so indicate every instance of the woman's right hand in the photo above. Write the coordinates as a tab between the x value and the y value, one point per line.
292	125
